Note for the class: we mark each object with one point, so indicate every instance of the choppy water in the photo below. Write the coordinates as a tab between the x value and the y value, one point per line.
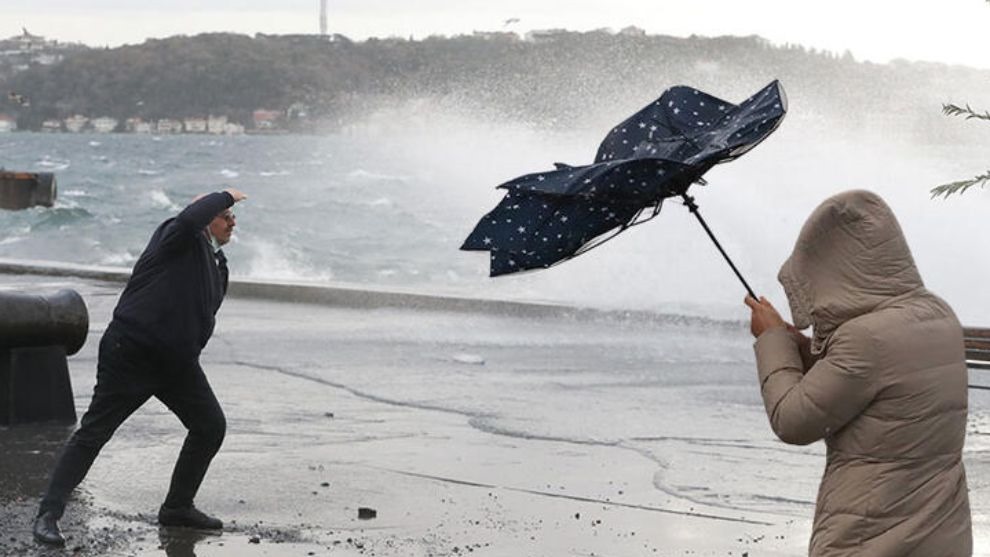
388	203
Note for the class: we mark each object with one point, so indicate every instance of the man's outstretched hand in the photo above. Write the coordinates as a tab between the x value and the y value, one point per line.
764	316
236	194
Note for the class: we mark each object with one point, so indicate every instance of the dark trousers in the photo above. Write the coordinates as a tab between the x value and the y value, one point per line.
127	376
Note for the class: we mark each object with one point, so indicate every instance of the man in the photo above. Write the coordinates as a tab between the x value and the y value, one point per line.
151	347
883	381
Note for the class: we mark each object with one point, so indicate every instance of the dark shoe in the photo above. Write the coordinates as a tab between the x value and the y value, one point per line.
46	529
189	517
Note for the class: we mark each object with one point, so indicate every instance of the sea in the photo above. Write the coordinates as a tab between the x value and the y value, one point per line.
387	201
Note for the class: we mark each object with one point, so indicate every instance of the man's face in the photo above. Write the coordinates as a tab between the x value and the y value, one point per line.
222	226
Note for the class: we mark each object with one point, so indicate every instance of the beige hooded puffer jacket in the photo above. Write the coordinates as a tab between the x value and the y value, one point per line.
885	384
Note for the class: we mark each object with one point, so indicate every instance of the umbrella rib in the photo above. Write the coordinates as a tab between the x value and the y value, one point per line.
594	243
590	246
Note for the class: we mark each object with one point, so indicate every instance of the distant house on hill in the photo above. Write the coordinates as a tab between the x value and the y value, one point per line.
104	124
266	119
301	39
76	123
216	124
20	52
195	125
633	31
297	111
46	59
545	35
137	125
27	41
496	35
7	123
167	125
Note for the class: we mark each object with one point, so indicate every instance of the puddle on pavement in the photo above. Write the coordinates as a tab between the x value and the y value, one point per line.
29	453
184	542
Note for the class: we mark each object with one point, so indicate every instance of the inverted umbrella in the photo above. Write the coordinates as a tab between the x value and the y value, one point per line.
549	217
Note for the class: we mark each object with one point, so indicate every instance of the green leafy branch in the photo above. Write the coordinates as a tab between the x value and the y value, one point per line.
945	190
969	113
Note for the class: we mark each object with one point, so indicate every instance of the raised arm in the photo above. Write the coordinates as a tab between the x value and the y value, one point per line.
199	213
196	216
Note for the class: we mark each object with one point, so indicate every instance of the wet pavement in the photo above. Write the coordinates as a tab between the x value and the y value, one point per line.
471	434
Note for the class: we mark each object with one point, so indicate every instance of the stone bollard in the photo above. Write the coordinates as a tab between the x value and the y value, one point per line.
20	190
36	335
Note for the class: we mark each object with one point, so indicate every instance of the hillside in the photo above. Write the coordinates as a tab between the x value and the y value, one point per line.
548	80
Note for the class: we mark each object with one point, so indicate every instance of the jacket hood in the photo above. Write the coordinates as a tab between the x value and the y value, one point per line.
850	257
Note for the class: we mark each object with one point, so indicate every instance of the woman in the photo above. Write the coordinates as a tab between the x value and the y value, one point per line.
883	381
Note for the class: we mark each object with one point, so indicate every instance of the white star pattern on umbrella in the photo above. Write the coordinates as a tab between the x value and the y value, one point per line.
660	151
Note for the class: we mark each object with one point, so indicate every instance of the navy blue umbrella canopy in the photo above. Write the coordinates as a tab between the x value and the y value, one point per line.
548	217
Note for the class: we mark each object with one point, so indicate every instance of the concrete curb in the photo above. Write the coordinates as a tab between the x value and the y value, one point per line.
364	297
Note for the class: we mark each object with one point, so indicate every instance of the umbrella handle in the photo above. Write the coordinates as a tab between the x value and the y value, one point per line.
693	207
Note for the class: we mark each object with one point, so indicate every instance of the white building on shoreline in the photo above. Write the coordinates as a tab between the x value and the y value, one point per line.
216	124
76	123
167	125
104	124
7	123
195	125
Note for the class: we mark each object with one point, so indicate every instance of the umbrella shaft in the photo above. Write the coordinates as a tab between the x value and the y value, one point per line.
693	207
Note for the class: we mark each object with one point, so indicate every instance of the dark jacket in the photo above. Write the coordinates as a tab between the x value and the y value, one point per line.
885	387
177	284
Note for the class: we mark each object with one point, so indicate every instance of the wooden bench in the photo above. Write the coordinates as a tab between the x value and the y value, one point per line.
977	347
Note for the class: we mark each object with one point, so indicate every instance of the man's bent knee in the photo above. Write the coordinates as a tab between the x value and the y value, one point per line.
211	434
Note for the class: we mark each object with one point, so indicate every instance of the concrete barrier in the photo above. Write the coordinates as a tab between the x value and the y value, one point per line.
368	297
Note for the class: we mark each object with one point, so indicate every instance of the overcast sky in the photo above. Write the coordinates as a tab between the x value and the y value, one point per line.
953	31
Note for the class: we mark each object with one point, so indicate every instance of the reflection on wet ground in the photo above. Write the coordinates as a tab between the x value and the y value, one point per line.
28	455
29	452
186	542
181	542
